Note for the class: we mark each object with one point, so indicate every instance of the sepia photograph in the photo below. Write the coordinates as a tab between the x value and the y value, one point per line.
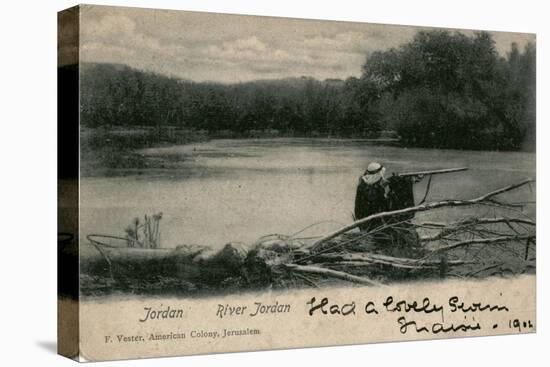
236	183
272	183
227	154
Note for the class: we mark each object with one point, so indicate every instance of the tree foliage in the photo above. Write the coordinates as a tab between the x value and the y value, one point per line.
448	90
440	90
116	95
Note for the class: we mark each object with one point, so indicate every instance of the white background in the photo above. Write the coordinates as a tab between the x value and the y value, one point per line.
28	185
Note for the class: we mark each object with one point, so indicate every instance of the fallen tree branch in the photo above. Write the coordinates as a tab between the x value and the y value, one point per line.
367	263
332	274
306	279
478	221
454	227
418	208
492	240
351	240
493	266
505	205
383	259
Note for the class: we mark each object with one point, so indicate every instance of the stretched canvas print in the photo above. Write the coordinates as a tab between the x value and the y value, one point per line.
238	183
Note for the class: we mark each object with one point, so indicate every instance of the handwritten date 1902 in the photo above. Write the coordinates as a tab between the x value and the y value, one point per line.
520	325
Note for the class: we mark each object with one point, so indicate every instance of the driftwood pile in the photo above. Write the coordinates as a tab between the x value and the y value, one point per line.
475	246
471	247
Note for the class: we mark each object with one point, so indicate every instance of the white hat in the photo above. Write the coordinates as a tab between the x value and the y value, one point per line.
375	172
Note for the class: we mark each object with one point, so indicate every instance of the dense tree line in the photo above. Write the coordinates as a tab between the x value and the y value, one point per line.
448	90
116	95
442	90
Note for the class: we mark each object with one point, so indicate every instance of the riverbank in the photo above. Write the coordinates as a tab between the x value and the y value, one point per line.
115	151
121	151
284	262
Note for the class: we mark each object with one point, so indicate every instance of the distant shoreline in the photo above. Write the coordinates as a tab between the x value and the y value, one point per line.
114	151
118	151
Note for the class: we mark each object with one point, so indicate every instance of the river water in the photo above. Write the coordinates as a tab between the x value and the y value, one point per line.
238	190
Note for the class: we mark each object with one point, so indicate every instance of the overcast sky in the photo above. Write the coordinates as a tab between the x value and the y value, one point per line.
232	48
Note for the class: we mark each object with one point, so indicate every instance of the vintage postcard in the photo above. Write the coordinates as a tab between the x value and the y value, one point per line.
239	183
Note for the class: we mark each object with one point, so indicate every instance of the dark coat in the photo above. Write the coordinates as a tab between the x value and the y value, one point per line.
401	195
370	199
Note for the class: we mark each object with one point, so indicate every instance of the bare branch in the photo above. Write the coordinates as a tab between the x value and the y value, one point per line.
419	208
478	221
363	259
492	240
332	274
